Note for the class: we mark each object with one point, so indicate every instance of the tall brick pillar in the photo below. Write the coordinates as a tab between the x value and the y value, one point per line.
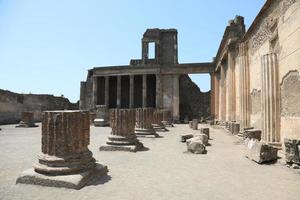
65	160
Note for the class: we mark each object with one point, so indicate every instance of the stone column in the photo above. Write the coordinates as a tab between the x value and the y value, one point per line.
270	99
176	114
223	95
144	121
65	160
232	90
94	91
27	120
158	120
144	91
131	91
107	91
122	137
119	91
167	118
158	91
244	87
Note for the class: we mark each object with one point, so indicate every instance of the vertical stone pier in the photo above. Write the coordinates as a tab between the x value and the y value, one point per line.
122	138
195	124
158	120
144	120
27	120
167	118
65	160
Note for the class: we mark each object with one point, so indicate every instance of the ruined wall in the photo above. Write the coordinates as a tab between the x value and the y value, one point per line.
12	104
193	102
277	32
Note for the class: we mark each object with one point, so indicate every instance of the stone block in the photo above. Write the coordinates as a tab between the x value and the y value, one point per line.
202	137
253	134
260	152
194	145
99	122
235	128
195	124
292	149
186	136
205	131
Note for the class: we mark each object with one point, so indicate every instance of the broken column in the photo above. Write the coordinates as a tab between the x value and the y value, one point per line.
157	120
144	120
205	131
235	128
101	116
65	160
27	120
191	124
195	124
260	152
122	137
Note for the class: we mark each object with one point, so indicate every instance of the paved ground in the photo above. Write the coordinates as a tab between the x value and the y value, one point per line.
162	172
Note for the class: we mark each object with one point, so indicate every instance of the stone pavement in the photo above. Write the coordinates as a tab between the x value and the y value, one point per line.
162	172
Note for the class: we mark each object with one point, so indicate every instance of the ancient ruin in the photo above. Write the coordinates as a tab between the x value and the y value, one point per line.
144	121
27	120
65	160
123	137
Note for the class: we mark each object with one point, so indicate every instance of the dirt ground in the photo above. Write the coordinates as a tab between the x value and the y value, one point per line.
162	172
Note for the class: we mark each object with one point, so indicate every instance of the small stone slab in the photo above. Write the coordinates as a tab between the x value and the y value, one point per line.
73	181
129	148
260	152
186	136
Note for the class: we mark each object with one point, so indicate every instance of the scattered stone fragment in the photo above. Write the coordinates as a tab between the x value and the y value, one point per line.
27	120
292	150
205	131
260	152
253	134
202	137
295	166
196	146
122	138
186	136
65	160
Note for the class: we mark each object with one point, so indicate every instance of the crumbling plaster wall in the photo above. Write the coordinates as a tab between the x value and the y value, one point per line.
278	32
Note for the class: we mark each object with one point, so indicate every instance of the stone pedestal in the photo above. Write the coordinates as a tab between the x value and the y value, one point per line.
101	113
292	151
205	131
235	129
65	160
27	120
144	120
191	124
158	121
195	124
122	138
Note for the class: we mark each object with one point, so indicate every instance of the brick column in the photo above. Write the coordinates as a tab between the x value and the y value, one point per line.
122	123
144	121
158	120
27	120
65	153
167	118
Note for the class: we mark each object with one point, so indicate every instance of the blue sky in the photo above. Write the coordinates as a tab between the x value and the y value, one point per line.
47	46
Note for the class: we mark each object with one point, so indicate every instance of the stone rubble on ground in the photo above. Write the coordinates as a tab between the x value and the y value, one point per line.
260	152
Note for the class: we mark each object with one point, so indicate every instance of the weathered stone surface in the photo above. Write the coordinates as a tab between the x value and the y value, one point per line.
253	134
65	140
122	123
292	149
195	124
13	104
27	120
205	131
260	152
202	137
186	136
195	145
144	120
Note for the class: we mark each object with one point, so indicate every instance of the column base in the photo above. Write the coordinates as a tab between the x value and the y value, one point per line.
140	132
159	128
73	181
121	143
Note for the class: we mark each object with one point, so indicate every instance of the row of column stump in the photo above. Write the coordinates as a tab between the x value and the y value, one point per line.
66	161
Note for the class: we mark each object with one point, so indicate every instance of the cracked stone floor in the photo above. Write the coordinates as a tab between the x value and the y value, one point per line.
162	172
